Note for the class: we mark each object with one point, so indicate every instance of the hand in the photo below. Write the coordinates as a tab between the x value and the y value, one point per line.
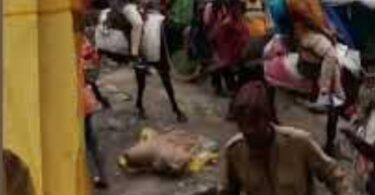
366	149
347	132
350	135
332	35
134	58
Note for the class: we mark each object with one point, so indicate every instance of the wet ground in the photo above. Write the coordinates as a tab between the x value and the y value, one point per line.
118	129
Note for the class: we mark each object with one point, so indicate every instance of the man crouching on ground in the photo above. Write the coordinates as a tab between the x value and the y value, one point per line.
267	159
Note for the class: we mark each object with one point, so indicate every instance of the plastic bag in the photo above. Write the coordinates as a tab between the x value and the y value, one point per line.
110	39
349	59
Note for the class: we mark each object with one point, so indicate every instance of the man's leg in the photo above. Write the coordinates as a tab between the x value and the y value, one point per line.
95	158
330	77
133	16
216	82
140	74
229	80
98	95
167	83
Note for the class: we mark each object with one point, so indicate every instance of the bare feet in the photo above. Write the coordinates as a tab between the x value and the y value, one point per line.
181	117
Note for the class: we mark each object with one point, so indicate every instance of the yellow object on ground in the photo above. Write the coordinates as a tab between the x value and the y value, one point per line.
201	160
42	123
123	162
176	151
147	133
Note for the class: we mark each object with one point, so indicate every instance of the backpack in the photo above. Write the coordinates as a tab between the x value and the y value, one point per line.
256	19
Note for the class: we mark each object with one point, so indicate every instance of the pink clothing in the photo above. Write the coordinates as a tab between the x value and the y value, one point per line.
281	71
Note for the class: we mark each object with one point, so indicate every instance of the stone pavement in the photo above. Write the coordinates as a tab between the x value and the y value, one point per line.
118	129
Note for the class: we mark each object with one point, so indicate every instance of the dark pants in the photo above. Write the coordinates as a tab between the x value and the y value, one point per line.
141	74
370	188
95	158
226	76
175	37
119	58
103	100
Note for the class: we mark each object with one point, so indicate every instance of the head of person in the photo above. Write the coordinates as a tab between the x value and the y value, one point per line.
152	5
17	175
254	114
89	23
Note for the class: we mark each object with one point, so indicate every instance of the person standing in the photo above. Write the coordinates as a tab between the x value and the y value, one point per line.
314	36
92	101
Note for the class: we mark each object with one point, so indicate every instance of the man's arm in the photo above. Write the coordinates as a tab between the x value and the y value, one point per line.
361	145
327	169
135	19
228	182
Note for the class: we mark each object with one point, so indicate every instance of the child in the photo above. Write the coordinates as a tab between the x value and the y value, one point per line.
92	101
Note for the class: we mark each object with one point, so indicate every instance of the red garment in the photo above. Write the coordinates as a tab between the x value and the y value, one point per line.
89	58
164	4
229	36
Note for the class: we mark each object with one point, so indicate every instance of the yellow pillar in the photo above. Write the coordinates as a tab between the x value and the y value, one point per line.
62	132
21	111
41	115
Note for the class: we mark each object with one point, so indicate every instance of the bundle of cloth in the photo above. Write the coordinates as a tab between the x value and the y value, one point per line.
284	68
172	153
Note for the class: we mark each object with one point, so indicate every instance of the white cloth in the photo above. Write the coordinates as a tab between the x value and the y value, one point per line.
151	39
109	39
133	16
369	3
370	128
349	59
103	17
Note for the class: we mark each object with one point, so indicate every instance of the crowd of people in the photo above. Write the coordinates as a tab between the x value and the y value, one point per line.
229	39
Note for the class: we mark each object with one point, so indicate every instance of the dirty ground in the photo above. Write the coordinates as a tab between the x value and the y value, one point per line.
119	129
